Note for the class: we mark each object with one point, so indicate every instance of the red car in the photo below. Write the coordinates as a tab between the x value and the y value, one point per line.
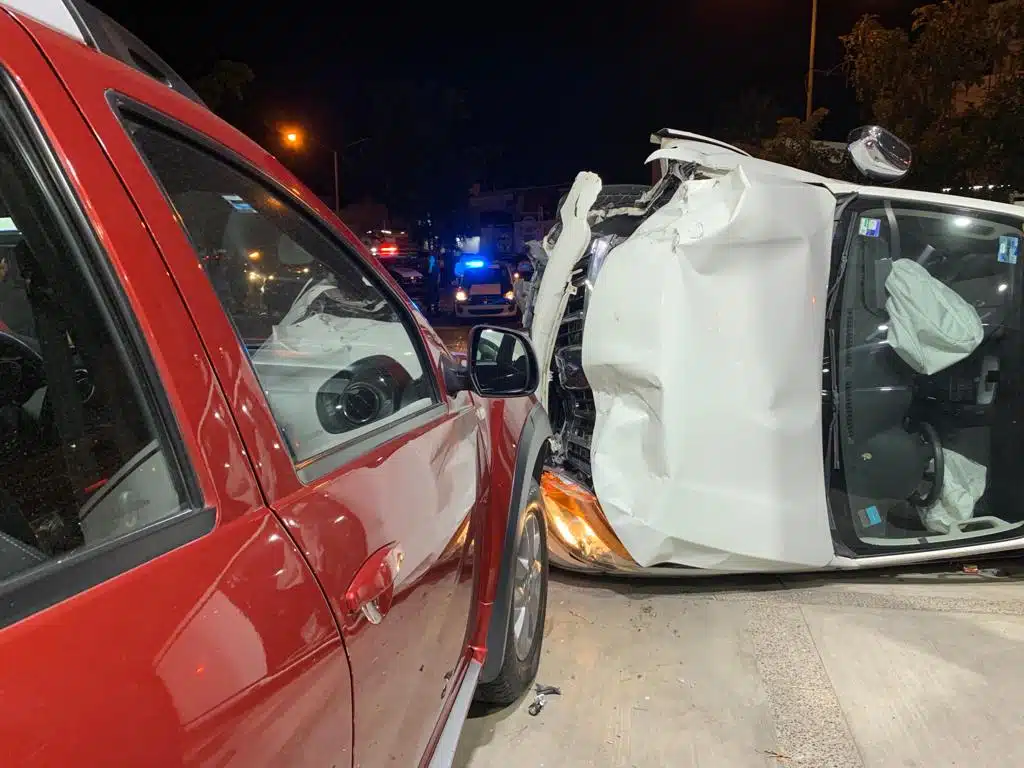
251	510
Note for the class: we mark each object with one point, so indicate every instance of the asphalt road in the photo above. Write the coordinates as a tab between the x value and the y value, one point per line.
915	670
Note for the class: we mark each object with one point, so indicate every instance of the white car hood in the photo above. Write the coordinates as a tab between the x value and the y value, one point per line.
703	347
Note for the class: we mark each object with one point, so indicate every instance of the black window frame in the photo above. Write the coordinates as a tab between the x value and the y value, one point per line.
58	579
128	110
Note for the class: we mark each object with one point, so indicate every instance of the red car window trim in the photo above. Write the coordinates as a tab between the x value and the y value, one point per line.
333	459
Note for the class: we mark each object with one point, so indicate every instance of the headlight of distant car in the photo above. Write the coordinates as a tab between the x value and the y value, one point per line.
510	296
460	295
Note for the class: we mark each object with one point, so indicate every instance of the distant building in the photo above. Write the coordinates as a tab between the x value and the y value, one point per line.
507	219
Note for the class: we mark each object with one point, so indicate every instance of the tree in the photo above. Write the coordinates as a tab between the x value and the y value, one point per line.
749	118
226	82
949	86
795	144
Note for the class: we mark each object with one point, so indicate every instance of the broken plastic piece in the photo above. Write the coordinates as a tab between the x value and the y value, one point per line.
569	363
537	705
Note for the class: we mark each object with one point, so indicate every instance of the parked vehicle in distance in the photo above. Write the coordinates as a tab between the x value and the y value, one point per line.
485	290
412	281
252	512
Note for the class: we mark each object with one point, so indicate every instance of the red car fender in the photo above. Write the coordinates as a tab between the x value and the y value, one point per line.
519	432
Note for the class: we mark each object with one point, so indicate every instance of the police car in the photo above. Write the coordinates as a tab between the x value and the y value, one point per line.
484	289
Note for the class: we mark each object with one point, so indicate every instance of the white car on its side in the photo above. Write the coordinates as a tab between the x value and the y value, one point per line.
753	368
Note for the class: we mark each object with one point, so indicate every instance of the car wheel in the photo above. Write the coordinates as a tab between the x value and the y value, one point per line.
525	632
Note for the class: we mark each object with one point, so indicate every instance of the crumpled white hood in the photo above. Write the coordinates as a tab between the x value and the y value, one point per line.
703	346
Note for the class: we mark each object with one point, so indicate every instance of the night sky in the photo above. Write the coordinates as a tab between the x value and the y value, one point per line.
548	92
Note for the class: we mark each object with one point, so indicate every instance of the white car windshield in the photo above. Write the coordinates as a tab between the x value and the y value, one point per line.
924	343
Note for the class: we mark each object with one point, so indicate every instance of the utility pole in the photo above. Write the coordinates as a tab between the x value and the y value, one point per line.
810	66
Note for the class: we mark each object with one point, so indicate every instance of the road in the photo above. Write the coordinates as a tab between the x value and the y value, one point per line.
454	337
891	671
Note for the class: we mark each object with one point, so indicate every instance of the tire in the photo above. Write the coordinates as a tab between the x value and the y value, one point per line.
519	665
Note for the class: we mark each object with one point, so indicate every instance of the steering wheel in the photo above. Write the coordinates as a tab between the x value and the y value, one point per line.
367	391
934	476
22	371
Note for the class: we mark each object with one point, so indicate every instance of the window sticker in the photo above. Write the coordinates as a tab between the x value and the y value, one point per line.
869	516
870	227
239	204
1009	247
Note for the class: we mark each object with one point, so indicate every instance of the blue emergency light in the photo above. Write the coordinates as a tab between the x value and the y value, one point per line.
475	263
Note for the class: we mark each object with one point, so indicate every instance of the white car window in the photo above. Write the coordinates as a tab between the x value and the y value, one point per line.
332	352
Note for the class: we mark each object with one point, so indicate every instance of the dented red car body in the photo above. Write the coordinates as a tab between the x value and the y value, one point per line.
237	633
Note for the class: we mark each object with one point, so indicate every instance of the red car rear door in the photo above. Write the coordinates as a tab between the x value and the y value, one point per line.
374	471
153	610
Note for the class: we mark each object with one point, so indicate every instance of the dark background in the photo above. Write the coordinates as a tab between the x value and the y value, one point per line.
503	94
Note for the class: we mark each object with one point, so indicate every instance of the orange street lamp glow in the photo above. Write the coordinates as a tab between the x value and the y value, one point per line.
292	137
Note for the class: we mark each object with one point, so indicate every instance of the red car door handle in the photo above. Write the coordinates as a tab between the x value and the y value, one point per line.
373	587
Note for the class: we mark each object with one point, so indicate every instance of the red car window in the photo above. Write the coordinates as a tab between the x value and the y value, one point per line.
334	356
82	460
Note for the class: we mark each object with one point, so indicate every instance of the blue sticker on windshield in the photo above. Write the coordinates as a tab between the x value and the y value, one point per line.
1009	247
869	516
870	227
239	204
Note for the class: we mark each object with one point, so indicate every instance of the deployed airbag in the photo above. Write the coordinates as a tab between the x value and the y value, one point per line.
931	326
963	485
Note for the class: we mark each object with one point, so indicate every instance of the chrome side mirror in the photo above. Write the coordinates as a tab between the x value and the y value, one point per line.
878	153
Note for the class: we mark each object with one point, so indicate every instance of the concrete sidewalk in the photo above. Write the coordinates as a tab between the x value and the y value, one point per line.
897	670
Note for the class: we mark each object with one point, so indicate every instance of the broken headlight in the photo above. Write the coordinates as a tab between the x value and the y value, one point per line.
600	247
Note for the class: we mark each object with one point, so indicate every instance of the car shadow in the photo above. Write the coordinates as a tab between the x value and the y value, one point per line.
950	573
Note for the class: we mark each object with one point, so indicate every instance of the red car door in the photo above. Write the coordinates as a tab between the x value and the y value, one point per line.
373	470
153	610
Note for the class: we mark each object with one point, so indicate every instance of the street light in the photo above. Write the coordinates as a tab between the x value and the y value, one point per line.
294	138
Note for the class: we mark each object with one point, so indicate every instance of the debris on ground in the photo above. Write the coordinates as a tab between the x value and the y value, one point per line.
540	699
991	573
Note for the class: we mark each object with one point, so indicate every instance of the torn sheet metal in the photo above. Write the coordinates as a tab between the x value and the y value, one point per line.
703	346
553	293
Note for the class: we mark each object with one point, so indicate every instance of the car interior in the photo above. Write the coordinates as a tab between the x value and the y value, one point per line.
331	353
928	366
75	442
